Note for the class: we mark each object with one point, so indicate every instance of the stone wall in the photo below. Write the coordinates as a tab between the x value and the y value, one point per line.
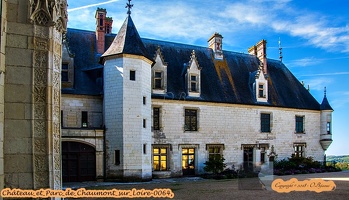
73	105
234	126
31	36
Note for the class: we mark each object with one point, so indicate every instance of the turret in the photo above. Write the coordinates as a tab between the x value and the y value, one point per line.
127	106
326	123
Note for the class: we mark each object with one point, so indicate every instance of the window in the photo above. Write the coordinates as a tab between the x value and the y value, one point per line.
215	152
144	123
144	148
62	125
117	157
158	84
84	119
64	72
132	75
156	118
193	83
328	127
144	100
190	122
265	122
261	91
101	20
299	124
299	150
160	158
262	155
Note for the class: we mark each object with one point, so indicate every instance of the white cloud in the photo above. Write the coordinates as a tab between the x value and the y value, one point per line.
317	83
91	5
303	62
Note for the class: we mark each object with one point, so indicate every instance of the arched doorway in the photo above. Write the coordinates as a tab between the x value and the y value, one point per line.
78	162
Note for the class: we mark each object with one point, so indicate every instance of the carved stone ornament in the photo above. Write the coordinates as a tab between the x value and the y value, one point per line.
49	13
41	12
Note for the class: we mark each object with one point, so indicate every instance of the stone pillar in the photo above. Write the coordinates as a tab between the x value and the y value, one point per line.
32	61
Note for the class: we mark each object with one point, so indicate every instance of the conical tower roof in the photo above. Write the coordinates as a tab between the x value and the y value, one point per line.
325	105
127	41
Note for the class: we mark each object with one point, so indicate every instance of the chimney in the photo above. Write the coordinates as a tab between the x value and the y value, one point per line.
215	43
260	50
104	26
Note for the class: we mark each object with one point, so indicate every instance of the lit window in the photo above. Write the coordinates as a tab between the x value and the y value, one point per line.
299	124
265	122
160	159
190	123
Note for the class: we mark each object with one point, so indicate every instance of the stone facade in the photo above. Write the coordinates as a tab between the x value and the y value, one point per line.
31	54
127	112
234	126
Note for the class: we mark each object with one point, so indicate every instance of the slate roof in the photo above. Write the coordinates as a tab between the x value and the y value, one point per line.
227	81
127	41
325	105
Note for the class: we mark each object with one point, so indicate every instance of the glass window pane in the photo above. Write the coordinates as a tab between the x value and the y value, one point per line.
163	150
191	151
184	151
156	151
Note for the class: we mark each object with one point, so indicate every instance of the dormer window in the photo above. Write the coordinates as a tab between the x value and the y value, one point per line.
158	80
159	74
261	91
67	67
261	86
193	76
194	83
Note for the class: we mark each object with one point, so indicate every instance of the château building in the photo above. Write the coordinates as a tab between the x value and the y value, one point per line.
79	105
134	108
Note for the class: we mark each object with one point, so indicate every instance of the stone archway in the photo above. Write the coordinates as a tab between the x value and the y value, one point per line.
78	162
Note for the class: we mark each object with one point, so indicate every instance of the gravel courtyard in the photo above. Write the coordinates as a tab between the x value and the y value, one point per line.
247	188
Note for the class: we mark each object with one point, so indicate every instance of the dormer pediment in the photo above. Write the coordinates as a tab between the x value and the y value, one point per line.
193	76
261	85
159	74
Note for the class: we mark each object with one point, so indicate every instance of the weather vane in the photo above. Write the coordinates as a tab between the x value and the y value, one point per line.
129	6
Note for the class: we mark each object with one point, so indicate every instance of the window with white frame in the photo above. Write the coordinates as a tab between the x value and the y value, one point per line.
194	86
299	150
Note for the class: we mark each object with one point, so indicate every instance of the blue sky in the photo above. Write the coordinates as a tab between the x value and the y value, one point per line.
314	36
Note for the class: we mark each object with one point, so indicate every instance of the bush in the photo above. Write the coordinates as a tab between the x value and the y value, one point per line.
298	165
215	165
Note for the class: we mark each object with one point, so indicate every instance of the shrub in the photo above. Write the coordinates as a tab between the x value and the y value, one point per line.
215	165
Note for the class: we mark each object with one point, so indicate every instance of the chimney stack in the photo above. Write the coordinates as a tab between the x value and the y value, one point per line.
260	50
104	26
215	43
